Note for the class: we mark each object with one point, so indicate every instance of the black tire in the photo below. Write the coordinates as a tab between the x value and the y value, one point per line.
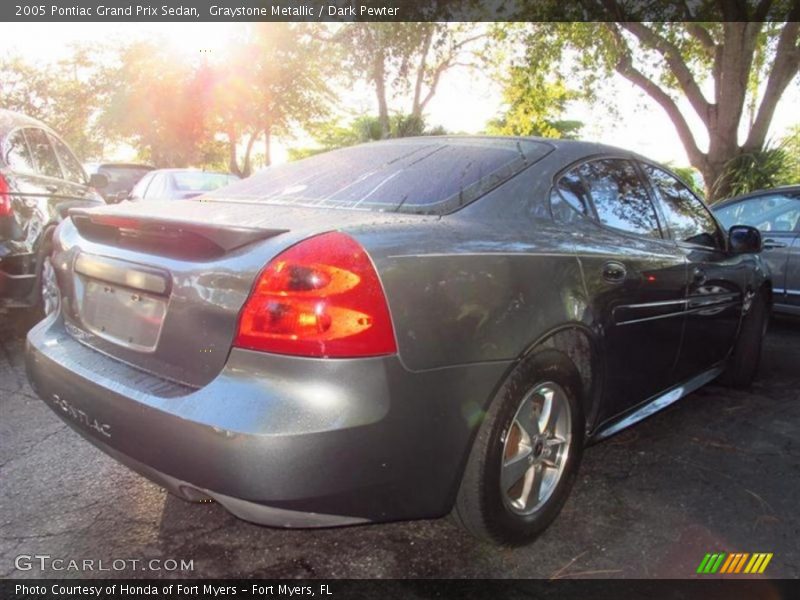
480	506
743	364
28	317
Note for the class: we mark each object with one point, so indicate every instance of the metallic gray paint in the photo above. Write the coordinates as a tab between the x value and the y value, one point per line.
384	438
781	254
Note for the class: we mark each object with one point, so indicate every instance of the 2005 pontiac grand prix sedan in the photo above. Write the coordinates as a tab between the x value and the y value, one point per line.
397	330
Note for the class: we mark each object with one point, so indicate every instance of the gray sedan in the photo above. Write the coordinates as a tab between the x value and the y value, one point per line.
776	213
178	184
397	330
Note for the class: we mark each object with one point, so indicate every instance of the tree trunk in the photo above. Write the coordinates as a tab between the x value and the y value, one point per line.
732	63
267	145
248	151
379	78
716	186
233	161
416	107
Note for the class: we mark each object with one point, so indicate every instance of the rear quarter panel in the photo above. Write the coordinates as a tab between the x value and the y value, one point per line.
461	292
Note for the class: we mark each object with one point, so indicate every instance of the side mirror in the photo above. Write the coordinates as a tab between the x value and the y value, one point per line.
744	239
98	181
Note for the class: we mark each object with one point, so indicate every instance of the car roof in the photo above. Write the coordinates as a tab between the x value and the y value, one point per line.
756	194
572	145
10	119
113	165
192	171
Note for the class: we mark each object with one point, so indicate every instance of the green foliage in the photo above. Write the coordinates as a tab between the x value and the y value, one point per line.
161	107
67	95
690	176
534	106
791	146
731	71
403	60
272	81
178	113
753	171
366	128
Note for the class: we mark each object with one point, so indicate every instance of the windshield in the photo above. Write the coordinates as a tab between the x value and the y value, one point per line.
420	175
200	181
122	179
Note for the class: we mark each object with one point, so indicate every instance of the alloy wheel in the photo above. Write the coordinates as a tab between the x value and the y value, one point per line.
535	449
50	293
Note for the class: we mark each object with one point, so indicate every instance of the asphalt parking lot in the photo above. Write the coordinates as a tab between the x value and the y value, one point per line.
719	471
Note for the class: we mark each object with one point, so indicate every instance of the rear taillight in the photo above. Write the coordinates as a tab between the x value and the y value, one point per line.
5	198
322	298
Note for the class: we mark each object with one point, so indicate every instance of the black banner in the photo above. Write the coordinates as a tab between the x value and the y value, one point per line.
717	589
394	10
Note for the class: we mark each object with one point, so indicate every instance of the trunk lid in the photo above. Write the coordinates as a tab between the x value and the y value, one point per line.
160	286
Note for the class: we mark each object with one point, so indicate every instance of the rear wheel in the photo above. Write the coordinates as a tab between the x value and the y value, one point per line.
746	356
46	297
526	455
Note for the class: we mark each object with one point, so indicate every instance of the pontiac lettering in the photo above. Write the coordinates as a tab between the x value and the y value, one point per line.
81	417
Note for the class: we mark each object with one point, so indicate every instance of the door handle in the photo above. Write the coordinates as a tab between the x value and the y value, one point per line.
51	188
699	276
772	244
614	272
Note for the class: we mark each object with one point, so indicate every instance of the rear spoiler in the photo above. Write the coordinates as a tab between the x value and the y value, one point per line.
185	238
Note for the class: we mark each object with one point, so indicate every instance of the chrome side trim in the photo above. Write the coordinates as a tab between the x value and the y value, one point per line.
689	306
652	406
651	304
653	318
712	300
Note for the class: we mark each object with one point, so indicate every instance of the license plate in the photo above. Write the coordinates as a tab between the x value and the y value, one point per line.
127	317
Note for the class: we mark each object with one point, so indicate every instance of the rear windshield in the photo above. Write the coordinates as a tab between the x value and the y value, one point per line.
199	181
121	179
423	175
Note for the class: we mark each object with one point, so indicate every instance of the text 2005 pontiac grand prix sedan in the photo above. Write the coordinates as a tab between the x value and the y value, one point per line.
397	330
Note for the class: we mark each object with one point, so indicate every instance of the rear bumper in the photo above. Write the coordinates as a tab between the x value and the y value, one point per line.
249	511
276	440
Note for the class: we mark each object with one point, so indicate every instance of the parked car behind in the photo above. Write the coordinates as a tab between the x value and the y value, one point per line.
121	178
397	330
776	213
40	180
179	184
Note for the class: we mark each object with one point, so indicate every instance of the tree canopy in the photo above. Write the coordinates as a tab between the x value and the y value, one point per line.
67	94
720	71
718	80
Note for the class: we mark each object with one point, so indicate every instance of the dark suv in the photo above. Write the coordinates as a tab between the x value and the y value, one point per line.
121	178
40	180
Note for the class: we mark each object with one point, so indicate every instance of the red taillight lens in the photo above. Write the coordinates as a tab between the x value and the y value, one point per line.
5	199
321	297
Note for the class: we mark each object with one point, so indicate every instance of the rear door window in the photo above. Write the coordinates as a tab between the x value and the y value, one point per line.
620	197
140	189
17	155
73	171
158	188
570	198
687	217
44	157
